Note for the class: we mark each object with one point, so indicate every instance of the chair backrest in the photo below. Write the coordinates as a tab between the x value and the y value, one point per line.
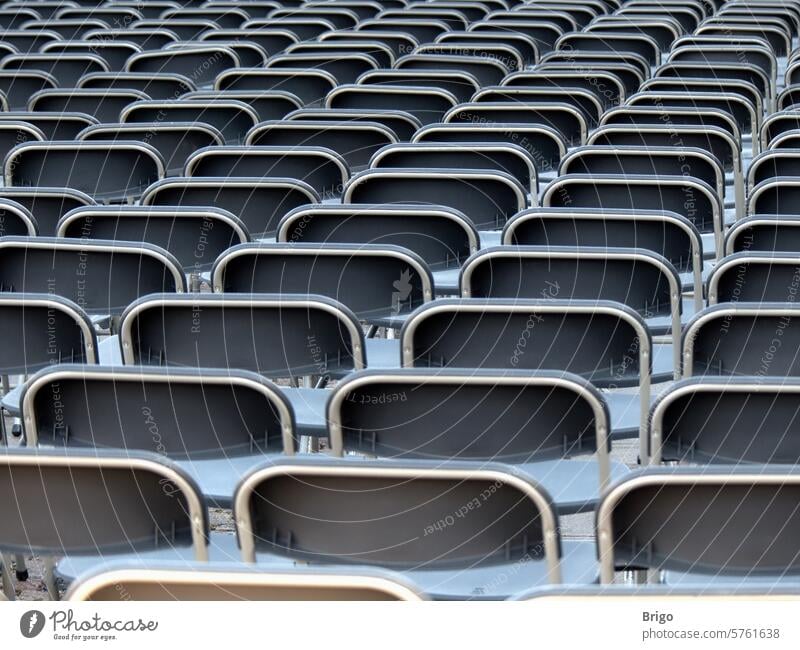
776	196
318	336
346	513
442	237
321	168
725	521
114	52
461	85
156	409
186	29
508	417
311	86
165	582
145	504
345	67
46	329
231	118
594	41
48	203
380	53
584	100
488	198
200	64
376	282
777	124
678	116
16	220
732	420
258	202
272	41
67	69
402	124
355	142
743	339
53	125
28	40
764	233
143	38
268	104
506	157
508	56
606	86
102	277
487	71
400	42
103	105
19	85
155	85
107	171
194	236
755	277
427	104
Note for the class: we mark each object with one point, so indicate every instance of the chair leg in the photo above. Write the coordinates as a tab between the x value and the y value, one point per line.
21	568
50	578
5	578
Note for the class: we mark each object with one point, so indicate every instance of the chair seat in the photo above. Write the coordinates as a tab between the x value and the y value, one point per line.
219	477
383	353
662	325
446	282
626	414
309	410
572	483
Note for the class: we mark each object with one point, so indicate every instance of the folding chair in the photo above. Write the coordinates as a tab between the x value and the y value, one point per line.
380	53
423	30
398	41
67	29
380	284
228	581
28	40
708	85
606	86
145	39
551	426
107	171
605	342
544	33
319	338
777	124
487	71
258	202
53	126
763	233
402	124
279	513
310	86
49	204
16	220
175	141
545	144
505	157
18	86
16	132
344	67
224	18
774	196
304	29
524	45
729	524
157	86
67	69
271	41
461	85
355	142
146	505
666	233
248	54
507	56
103	105
687	196
231	118
200	64
453	18
567	120
215	425
605	41
629	75
487	198
742	339
722	71
583	100
427	104
186	29
194	236
442	237
268	104
625	63
755	277
114	52
321	168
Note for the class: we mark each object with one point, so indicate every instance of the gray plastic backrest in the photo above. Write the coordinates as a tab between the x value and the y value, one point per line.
46	329
584	100
640	279
28	40
114	53
442	237
273	41
258	202
776	196
345	67
606	86
276	336
764	233
356	142
733	103
175	141
486	70
755	277
596	340
182	414
771	164
425	103
267	104
376	515
545	144
605	42
54	126
48	203
20	86
744	339
98	503
373	281
511	418
736	420
200	64
144	38
779	123
194	236
729	521
104	105
113	171
713	70
157	86
102	277
16	220
16	132
678	116
67	69
311	86
231	118
488	198
460	85
669	234
321	168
